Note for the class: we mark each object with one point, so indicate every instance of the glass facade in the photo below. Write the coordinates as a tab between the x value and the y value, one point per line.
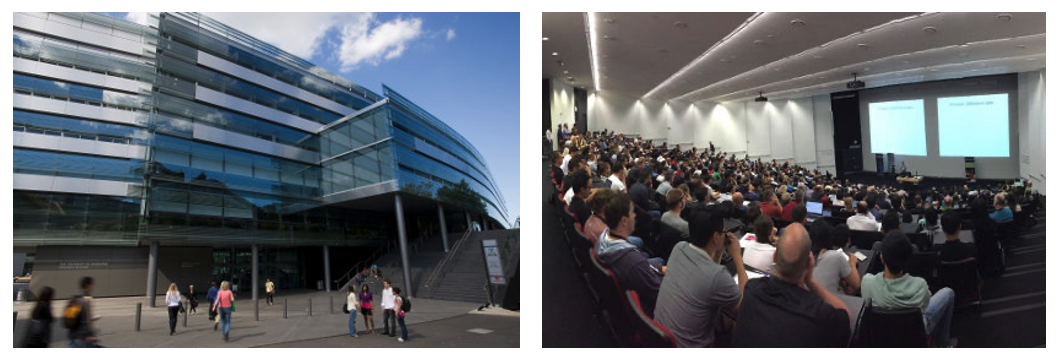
189	132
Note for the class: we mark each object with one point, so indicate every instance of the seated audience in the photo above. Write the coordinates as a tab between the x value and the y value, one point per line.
863	220
640	194
895	290
787	211
630	265
596	223
760	253
889	221
676	201
665	186
697	287
799	214
791	309
617	178
1002	213
836	269
769	204
954	249
581	188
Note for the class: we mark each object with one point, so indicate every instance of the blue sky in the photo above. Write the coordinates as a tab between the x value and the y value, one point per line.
464	68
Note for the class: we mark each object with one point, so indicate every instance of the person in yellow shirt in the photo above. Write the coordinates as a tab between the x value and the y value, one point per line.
269	288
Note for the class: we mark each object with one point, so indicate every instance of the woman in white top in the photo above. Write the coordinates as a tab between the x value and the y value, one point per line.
760	254
172	299
353	304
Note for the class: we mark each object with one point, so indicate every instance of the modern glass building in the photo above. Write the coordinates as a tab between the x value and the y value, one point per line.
177	150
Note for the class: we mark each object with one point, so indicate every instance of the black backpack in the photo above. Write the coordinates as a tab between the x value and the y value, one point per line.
405	304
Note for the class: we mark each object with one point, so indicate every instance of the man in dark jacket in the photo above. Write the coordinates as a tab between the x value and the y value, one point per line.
631	267
640	194
581	186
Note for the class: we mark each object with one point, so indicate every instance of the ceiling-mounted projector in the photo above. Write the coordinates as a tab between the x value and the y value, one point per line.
761	98
856	83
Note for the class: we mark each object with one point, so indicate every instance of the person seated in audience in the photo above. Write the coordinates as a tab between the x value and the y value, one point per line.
570	153
799	214
581	188
556	169
676	202
954	249
862	220
929	223
640	194
628	263
696	287
596	223
871	204
601	177
1002	213
617	178
787	211
573	165
836	269
849	204
895	290
664	186
889	221
751	194
790	308
769	204
760	253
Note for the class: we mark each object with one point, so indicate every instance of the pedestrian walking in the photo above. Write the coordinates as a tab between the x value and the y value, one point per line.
352	303
224	305
366	298
387	309
39	333
269	288
78	317
193	299
211	297
172	300
400	314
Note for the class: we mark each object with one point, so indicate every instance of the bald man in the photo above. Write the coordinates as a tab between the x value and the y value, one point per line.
789	308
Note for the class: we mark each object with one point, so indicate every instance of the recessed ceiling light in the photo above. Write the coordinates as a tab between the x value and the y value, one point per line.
822	78
929	30
546	38
906	61
554	53
723	60
866	69
1031	59
566	71
681	25
863	46
933	70
1004	17
570	79
797	23
758	42
1022	46
610	20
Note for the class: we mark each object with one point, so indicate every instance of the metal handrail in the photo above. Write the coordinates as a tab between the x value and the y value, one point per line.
454	250
345	279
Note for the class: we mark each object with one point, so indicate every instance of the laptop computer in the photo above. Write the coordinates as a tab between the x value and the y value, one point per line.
814	211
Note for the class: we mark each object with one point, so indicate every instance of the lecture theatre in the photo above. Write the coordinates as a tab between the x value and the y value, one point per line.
794	179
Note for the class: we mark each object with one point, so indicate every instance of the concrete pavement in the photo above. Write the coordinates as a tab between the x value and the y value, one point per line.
116	326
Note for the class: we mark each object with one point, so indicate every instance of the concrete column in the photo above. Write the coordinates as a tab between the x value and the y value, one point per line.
152	274
256	271
469	224
403	245
443	227
326	267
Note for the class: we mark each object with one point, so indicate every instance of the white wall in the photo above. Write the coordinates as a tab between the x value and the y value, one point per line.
562	107
1031	106
787	129
933	164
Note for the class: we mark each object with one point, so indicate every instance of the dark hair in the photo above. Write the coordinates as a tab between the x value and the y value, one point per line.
352	288
890	221
579	180
896	251
820	233
86	281
617	209
799	213
871	200
597	200
702	226
602	167
931	216
213	283
386	281
365	288
753	212
840	236
674	198
951	222
763	226
644	175
396	291
45	295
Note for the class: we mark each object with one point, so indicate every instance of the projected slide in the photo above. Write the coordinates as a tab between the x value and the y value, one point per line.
974	125
898	127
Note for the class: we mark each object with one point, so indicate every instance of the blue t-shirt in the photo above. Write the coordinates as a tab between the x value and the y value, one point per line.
1002	215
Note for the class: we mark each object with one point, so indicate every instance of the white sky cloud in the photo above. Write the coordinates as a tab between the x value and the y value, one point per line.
451	34
362	38
137	17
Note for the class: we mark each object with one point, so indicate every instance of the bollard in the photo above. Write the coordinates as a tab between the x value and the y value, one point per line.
284	308
185	313
16	319
332	304
309	306
139	312
257	310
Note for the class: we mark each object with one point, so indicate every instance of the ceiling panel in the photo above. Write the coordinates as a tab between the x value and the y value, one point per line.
567	36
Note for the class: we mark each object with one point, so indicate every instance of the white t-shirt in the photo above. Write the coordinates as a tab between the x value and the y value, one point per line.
569	196
388	299
863	223
565	164
760	256
618	185
172	298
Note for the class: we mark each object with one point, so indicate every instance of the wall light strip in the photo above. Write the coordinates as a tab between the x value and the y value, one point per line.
704	54
592	46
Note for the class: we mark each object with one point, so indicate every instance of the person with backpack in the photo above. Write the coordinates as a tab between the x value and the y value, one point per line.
39	333
78	317
402	307
352	304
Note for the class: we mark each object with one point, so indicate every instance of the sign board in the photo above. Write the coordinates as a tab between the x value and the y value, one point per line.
493	261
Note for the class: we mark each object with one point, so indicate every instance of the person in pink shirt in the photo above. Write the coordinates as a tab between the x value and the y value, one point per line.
225	300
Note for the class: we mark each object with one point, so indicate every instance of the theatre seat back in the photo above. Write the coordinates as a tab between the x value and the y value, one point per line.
651	333
614	309
964	278
865	239
880	328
